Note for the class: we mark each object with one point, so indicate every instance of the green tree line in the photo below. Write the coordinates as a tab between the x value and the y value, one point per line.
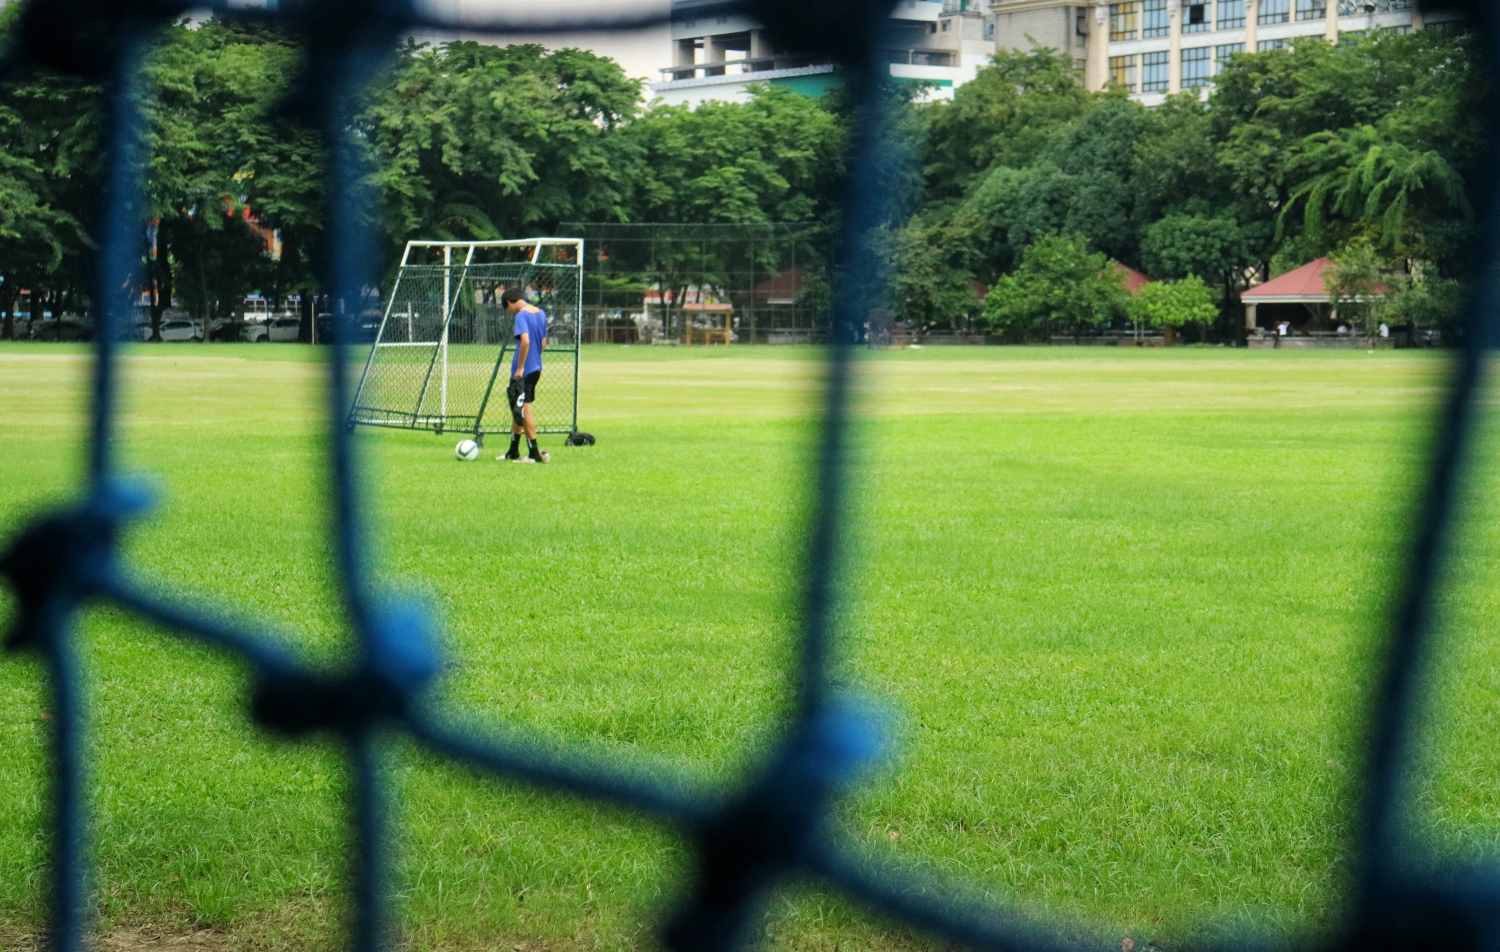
1021	183
463	141
1369	147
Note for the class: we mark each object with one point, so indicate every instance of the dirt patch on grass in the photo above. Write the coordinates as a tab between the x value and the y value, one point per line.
146	940
130	940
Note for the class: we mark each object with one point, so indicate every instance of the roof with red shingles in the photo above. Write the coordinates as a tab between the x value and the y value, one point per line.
1303	285
1134	280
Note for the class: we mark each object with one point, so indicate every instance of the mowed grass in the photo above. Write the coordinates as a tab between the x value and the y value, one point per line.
1121	605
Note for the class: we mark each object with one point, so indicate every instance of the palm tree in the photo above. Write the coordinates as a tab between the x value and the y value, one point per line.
1366	176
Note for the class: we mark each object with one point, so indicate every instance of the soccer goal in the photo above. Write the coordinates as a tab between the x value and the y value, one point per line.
445	339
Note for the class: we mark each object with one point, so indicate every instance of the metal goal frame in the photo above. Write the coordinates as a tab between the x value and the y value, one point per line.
435	405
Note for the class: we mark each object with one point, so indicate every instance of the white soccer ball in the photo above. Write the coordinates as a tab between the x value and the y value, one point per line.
466	450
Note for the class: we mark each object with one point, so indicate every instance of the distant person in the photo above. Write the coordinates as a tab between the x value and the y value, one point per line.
525	370
1283	328
1385	330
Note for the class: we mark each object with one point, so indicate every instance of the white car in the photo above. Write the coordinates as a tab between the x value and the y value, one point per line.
180	330
284	330
281	330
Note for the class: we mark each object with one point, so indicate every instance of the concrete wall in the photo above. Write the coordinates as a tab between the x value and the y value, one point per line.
1029	24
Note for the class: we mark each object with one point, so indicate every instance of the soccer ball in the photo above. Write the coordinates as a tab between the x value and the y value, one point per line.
467	450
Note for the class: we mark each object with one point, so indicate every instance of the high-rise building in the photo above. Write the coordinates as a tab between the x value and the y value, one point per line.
1154	48
715	56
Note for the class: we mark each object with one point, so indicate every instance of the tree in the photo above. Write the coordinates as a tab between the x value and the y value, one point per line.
1180	245
1079	185
930	268
776	158
1175	166
1366	180
1285	118
478	141
1172	304
1357	289
1429	300
1003	118
1060	285
33	235
211	138
49	173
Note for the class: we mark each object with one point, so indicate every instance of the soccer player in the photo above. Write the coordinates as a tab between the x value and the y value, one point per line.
525	370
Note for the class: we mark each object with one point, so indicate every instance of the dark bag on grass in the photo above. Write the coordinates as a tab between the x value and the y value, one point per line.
580	438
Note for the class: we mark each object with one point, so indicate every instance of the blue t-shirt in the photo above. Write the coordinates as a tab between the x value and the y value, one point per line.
534	324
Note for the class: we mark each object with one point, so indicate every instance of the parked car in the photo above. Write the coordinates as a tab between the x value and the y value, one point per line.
363	332
284	329
64	330
180	330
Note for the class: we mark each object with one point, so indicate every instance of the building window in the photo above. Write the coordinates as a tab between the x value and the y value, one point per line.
1124	20
1195	18
1231	14
1275	11
1195	66
1224	52
1122	72
1312	9
1158	21
1265	46
989	30
1155	72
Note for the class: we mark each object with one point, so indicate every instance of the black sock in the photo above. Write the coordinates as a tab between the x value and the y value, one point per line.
515	445
531	445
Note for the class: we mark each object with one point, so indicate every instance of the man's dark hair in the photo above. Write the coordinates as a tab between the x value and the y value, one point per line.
511	296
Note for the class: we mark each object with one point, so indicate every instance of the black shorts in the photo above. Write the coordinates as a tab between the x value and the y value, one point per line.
519	393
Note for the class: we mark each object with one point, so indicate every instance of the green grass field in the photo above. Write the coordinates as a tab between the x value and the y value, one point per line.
1124	604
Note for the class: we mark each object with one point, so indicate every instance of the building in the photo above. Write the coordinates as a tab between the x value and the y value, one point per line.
718	57
1154	48
1032	24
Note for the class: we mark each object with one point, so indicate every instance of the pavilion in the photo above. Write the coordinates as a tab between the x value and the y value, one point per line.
1305	286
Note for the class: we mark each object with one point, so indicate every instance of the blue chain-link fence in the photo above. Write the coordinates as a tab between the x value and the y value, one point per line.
777	826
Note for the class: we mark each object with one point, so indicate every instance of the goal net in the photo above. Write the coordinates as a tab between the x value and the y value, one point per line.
441	357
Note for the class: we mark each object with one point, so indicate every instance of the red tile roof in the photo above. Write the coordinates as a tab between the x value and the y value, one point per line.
1305	284
1134	280
1302	286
